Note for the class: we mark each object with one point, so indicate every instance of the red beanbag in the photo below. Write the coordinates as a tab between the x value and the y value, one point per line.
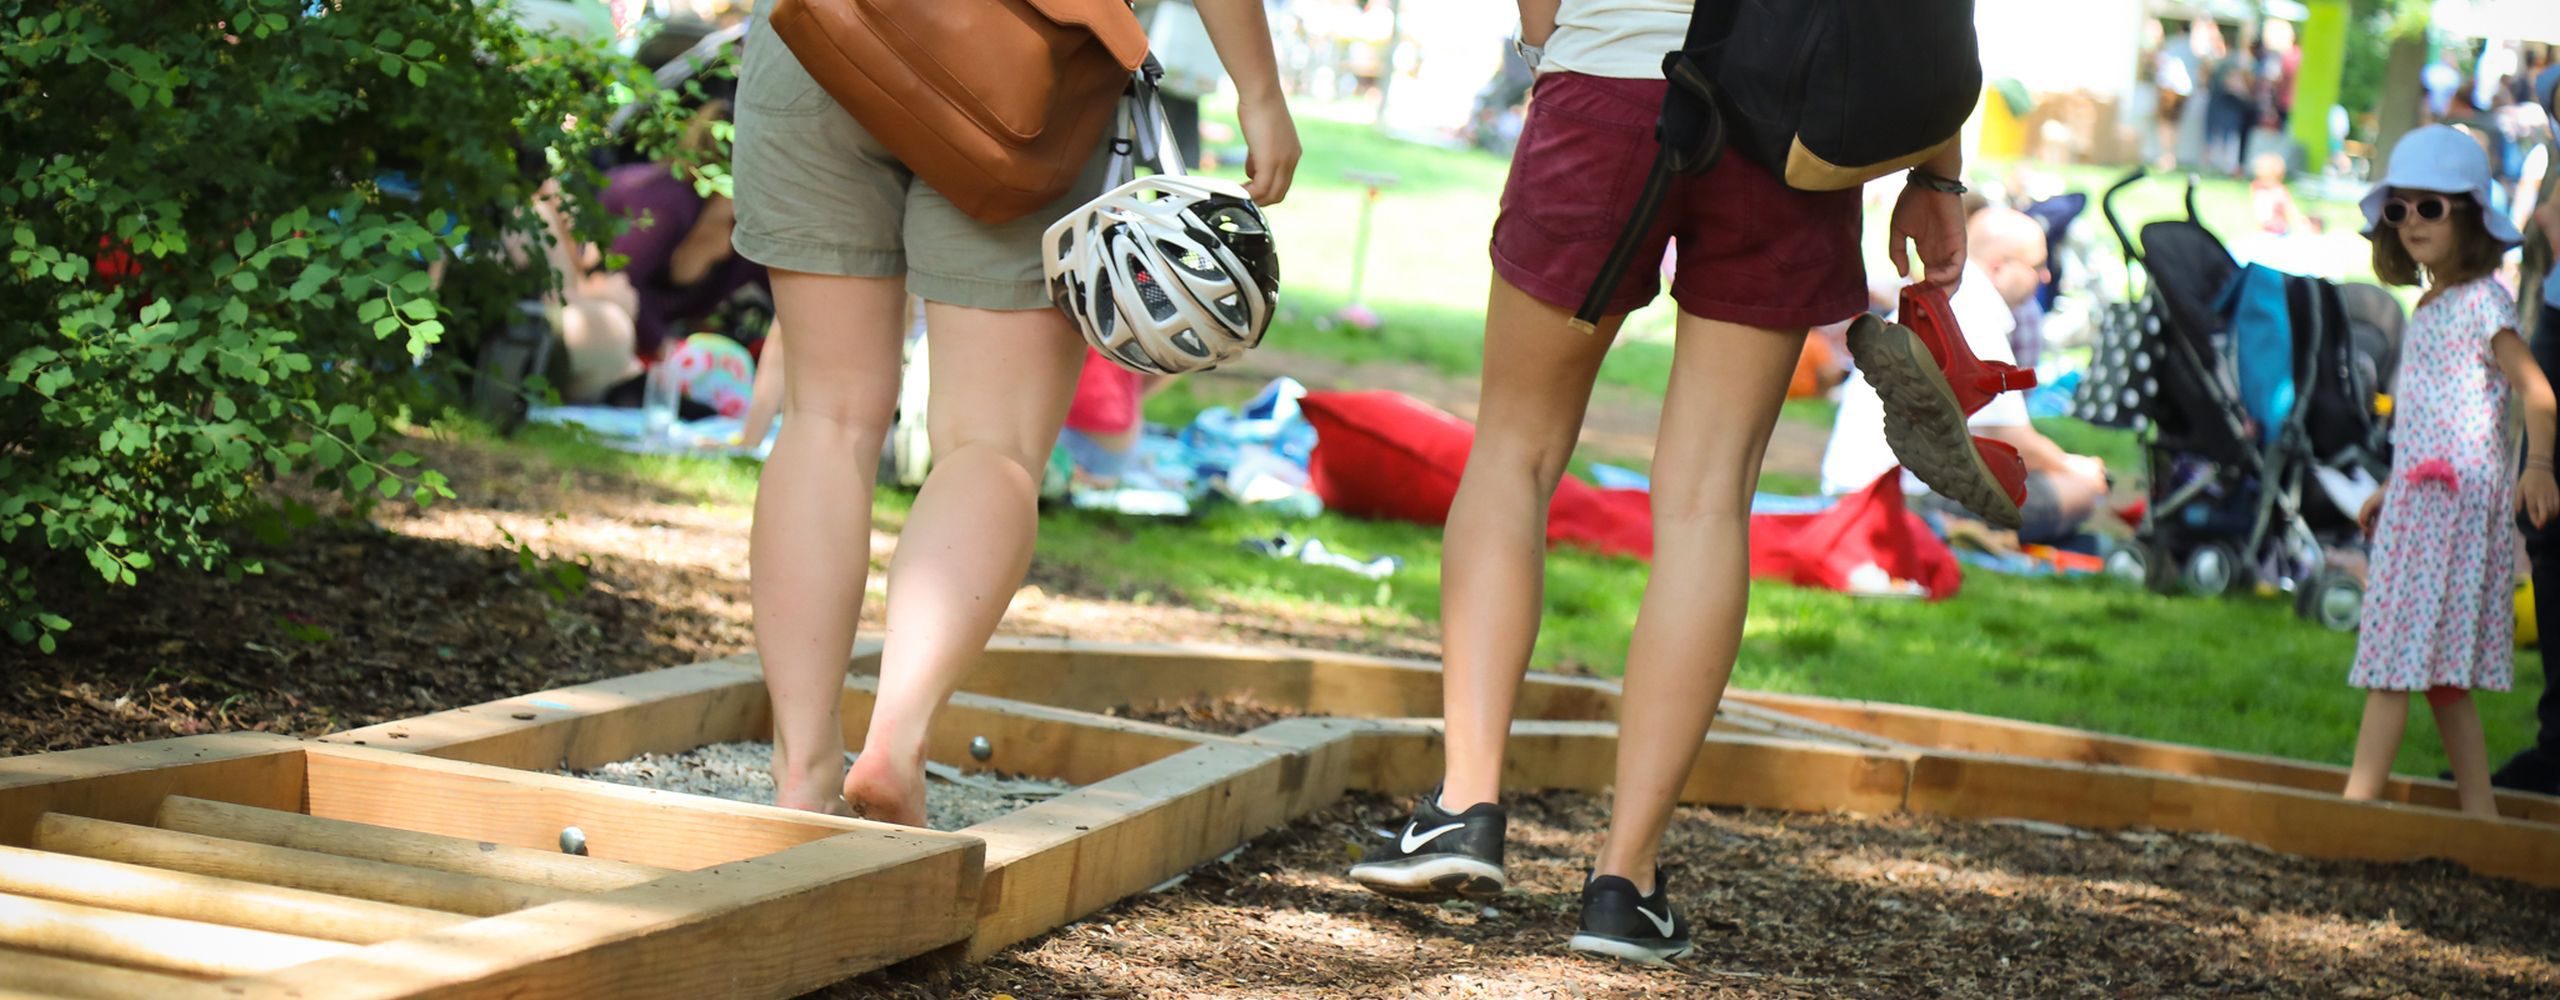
1385	455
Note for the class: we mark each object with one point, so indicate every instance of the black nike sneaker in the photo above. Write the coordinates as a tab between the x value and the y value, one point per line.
1620	922
1439	855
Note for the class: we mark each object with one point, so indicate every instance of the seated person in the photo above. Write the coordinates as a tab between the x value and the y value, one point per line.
2278	214
1105	420
677	270
2004	266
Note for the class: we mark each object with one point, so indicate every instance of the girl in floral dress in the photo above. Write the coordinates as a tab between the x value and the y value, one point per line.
2440	616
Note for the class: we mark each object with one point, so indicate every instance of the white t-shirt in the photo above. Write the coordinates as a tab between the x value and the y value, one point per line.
1616	38
1858	452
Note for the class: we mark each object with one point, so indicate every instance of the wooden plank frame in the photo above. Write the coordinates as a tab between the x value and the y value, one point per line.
1151	802
1154	801
706	921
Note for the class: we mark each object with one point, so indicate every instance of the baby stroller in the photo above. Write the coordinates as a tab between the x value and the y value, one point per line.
2254	393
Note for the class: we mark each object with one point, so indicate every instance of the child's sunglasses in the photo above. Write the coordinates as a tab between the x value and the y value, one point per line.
2433	208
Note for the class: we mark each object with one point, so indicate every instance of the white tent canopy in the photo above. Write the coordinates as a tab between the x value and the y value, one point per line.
2504	20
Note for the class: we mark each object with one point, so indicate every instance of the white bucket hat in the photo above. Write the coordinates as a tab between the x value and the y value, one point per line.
2443	159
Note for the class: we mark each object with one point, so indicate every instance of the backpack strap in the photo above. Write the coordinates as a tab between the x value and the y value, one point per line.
1689	138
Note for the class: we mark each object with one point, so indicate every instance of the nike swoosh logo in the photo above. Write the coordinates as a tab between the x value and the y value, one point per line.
1413	843
1662	924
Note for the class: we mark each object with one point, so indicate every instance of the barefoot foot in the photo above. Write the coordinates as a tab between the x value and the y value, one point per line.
882	790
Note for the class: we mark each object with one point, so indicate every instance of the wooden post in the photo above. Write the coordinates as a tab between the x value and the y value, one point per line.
117	886
186	946
218	858
401	847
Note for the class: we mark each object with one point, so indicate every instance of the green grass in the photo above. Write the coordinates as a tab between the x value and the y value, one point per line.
2239	674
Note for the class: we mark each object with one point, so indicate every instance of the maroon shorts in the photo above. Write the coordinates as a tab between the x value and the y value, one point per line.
1752	250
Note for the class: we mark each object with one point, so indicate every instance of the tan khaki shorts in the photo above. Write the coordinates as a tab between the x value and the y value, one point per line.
816	193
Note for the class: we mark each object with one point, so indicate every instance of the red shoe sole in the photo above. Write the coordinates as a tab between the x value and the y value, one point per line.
1924	423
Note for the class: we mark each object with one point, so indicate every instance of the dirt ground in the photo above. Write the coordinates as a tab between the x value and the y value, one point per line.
1796	905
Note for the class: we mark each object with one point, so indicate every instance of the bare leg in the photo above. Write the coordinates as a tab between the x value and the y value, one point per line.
1000	384
2467	748
1727	382
811	545
2386	717
1537	382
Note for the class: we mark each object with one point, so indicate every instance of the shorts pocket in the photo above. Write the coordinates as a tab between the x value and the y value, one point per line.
771	81
1572	177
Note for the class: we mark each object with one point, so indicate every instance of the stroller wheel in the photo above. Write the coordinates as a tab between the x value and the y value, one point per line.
2131	565
2336	601
2211	570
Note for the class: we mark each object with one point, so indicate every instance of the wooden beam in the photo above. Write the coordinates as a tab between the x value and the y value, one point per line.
581	727
1070	856
217	858
1941	729
126	782
1097	676
553	869
159	943
1406	757
522	809
43	975
2293	821
231	903
1075	747
774	926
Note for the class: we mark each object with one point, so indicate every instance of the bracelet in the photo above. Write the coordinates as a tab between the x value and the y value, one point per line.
2542	462
1943	185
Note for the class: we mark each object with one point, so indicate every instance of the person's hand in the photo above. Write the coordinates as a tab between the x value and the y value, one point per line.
2089	467
2371	514
2537	496
1933	223
1271	148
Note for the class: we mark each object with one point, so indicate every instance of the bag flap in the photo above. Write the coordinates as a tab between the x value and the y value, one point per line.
1110	20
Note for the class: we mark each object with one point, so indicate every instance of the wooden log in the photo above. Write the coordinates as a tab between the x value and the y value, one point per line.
160	943
401	847
776	926
283	866
44	975
231	903
1405	757
574	728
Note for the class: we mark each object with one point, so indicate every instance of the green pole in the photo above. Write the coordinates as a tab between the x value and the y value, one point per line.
2315	89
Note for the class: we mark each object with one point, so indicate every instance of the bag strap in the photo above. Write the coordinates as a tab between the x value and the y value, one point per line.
1689	137
1143	135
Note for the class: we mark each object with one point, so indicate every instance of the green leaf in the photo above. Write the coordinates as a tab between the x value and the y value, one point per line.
417	75
138	560
372	310
53	622
326	453
106	564
419	49
418	309
24	237
244	280
343	414
361	427
224	408
45	643
402	460
235	312
390	488
385	326
361	477
387	39
244	244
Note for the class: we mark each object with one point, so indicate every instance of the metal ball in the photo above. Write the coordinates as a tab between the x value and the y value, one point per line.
573	840
980	748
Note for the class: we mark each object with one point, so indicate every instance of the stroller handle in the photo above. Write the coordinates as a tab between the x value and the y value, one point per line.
2107	207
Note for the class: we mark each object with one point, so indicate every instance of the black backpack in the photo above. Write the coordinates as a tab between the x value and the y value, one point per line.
1825	94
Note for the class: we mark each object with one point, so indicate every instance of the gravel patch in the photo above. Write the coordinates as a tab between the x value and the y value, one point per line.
739	771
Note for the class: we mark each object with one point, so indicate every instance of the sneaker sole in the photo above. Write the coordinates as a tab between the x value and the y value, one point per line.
1924	423
1641	954
1432	880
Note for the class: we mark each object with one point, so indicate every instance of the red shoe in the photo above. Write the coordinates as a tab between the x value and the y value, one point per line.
1929	382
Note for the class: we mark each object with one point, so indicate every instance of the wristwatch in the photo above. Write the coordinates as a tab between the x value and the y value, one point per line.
1531	54
1945	185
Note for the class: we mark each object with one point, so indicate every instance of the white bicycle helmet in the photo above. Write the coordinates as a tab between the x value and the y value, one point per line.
1165	274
